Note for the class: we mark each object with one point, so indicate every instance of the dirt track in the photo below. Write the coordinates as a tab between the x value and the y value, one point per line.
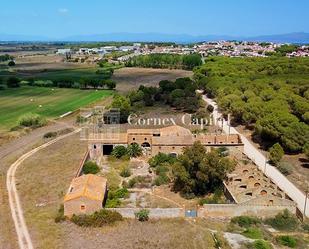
24	239
9	152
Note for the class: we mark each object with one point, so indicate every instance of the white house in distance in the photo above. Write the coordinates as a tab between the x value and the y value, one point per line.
64	51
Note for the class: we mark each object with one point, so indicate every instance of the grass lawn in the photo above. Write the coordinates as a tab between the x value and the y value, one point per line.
16	102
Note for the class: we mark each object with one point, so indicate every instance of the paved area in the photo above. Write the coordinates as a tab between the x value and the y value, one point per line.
261	161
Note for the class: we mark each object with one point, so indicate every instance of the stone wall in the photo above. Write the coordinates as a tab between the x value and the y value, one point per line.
154	212
232	210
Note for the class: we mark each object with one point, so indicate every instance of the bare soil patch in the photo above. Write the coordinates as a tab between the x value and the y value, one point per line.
131	78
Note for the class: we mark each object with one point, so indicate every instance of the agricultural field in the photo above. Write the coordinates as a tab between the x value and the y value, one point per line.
48	102
131	78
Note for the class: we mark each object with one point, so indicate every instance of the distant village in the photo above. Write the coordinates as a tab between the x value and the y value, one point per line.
218	48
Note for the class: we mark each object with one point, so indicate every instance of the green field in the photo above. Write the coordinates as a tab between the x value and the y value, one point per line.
54	102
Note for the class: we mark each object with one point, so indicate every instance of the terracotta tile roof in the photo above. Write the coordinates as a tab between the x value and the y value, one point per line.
89	186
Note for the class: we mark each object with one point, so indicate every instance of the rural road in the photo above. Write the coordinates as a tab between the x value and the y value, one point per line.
24	239
261	161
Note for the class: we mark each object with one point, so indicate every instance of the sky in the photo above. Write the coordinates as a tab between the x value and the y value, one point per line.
63	18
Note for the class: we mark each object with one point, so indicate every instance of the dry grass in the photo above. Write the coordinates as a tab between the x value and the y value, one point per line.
131	78
43	179
155	234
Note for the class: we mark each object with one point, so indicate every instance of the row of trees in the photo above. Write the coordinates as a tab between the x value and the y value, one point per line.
13	82
6	57
269	95
187	62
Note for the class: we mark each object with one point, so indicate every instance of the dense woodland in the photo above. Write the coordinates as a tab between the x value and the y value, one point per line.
179	94
174	61
269	95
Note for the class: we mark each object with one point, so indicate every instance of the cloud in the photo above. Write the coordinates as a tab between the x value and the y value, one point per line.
63	11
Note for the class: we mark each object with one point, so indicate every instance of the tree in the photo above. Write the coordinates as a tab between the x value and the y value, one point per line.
198	172
119	151
110	84
13	82
275	153
11	63
123	104
134	150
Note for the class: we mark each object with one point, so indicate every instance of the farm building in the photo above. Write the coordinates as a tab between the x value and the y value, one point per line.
170	140
86	195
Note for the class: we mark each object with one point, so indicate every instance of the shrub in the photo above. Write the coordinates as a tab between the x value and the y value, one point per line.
119	151
113	198
60	215
132	182
125	172
142	215
305	226
253	233
283	221
285	168
13	82
261	244
32	120
286	240
97	219
245	221
50	134
90	167
161	159
215	198
161	179
134	150
43	83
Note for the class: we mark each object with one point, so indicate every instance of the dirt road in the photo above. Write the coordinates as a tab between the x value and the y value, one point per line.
24	239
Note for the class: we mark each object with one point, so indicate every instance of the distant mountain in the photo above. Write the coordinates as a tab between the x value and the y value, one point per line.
299	37
8	37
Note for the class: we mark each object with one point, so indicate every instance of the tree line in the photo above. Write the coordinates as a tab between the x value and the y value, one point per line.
84	83
174	61
268	95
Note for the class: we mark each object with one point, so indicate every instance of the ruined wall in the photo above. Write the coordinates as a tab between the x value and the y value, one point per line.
154	212
232	210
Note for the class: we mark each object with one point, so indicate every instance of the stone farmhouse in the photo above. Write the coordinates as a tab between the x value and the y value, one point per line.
86	195
169	140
